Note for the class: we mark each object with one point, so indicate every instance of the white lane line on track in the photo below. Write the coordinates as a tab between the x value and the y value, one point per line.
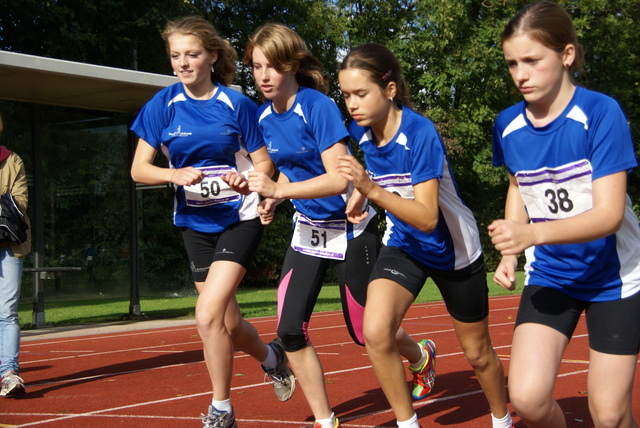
259	320
344	420
100	413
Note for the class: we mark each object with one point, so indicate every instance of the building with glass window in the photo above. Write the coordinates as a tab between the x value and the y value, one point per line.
70	122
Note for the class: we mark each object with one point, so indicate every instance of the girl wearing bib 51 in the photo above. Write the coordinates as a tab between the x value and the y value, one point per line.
207	131
430	231
304	132
568	151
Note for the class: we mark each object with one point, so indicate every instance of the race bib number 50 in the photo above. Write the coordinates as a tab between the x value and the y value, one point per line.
211	190
557	193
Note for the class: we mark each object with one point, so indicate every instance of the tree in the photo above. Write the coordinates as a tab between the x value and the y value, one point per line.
453	63
115	33
609	32
450	52
314	20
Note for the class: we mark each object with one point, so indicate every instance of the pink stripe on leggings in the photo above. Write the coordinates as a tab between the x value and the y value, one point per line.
356	314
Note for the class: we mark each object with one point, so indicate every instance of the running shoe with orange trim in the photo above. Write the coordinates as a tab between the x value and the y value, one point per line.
424	378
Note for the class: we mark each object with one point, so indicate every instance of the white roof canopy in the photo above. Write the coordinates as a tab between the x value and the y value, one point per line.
34	79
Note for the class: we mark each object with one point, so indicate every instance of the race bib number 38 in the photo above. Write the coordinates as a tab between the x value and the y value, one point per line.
326	239
211	190
557	193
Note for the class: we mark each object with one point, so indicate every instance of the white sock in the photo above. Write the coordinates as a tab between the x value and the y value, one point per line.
411	423
420	362
328	423
223	406
505	422
271	360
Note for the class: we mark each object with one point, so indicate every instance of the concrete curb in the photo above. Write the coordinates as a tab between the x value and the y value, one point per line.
55	332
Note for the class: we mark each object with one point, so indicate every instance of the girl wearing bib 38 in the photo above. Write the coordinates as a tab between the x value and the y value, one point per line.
430	232
568	151
304	133
207	131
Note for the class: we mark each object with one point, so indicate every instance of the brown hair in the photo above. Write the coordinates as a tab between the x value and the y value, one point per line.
382	66
286	51
225	66
547	23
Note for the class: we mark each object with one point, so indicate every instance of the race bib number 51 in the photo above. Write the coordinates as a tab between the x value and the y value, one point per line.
211	190
557	193
321	238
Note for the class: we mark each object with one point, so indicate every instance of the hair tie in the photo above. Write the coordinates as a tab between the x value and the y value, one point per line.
386	76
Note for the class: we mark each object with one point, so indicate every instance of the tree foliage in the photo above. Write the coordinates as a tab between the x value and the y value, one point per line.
116	33
450	52
453	63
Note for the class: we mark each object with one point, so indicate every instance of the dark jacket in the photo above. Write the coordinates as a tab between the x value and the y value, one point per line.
13	180
13	226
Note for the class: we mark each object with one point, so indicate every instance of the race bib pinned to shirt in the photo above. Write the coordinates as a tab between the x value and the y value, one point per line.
211	190
557	193
400	184
320	238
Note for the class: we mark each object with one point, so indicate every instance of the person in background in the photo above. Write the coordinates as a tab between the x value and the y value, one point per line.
430	231
13	247
305	134
568	152
209	134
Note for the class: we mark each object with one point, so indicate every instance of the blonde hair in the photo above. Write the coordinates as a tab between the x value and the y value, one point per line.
286	51
225	66
382	66
547	23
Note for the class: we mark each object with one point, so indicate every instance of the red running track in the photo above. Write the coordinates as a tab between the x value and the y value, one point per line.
157	378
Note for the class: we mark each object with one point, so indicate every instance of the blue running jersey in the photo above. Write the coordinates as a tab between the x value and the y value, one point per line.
295	141
555	166
215	135
414	155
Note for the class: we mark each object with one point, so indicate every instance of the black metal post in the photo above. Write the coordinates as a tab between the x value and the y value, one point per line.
37	225
134	257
